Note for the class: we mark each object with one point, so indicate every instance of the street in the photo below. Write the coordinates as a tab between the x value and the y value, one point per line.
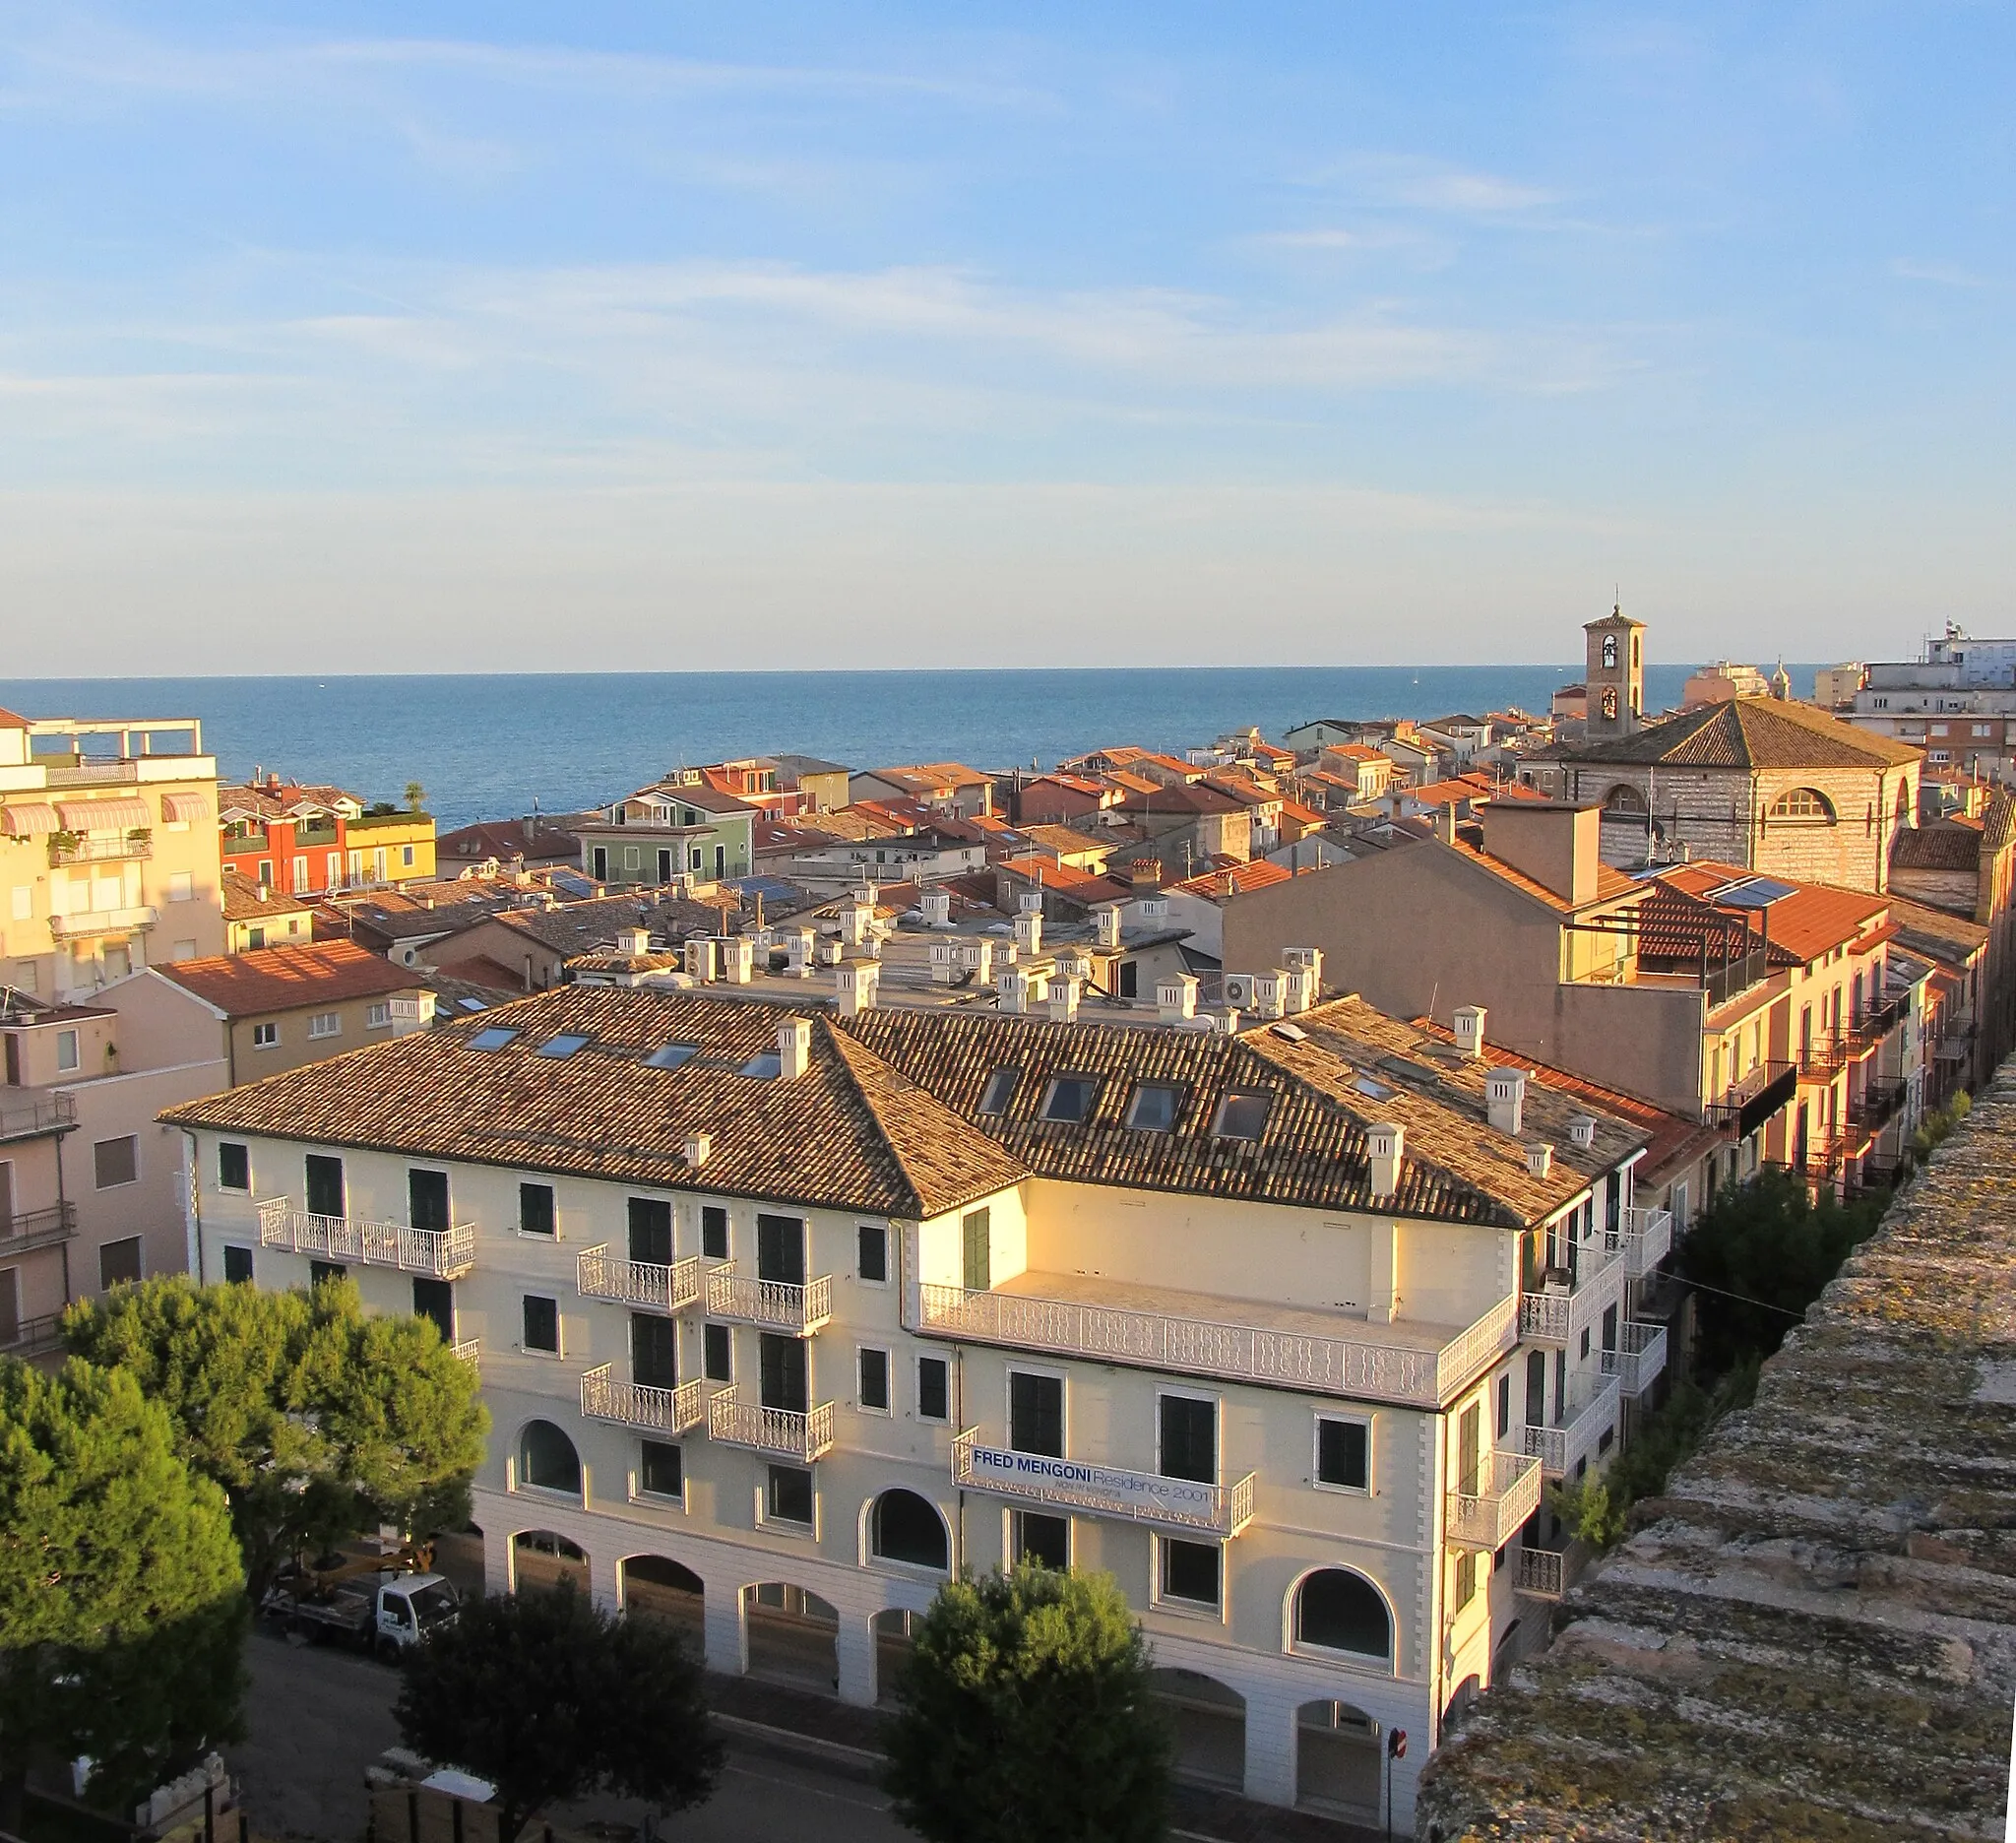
318	1716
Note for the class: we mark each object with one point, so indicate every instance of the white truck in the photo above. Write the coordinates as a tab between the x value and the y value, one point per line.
374	1602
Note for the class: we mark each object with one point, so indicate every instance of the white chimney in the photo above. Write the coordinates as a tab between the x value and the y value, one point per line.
1031	901
1270	994
1385	1151
1108	923
798	946
1308	960
793	1048
936	906
1178	998
1154	910
265	892
1582	1129
735	955
1064	1001
857	982
700	957
1029	927
857	915
1014	996
634	942
1469	1029
1073	965
697	1146
1540	1159
946	964
980	955
1505	1100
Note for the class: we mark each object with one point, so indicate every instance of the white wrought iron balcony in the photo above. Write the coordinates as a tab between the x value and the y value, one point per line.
470	1350
1565	1306
779	1430
445	1254
1487	1511
638	1404
1645	1237
1590	1413
1413	1364
598	1274
1103	1490
774	1304
1638	1358
93	922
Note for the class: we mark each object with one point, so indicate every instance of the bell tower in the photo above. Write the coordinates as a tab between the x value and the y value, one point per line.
1615	674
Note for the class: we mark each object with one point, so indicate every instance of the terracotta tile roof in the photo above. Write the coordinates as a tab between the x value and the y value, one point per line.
1752	732
1235	880
482	970
1936	934
546	839
1067	880
1610	883
1129	781
1313	1147
243	903
847	1134
1194	797
1058	838
929	777
583	927
9	721
1305	815
289	978
1356	751
1247	792
1814	919
1937	847
1169	763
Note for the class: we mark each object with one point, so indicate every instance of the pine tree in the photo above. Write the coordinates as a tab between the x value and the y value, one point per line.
317	1420
1025	1716
550	1698
122	1611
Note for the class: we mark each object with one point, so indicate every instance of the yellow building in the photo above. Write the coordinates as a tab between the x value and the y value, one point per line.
390	848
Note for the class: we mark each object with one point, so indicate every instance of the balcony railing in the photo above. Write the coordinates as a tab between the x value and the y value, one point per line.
445	1254
1874	1026
470	1350
73	849
1486	1511
1751	1099
1543	1574
1823	1058
33	1229
31	1120
103	922
1646	1238
775	1305
640	1404
32	1336
1362	1367
1104	1490
91	773
1876	1106
1564	1306
800	1437
598	1274
1591	1413
1638	1358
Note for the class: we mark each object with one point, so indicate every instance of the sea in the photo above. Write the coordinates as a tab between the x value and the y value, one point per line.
500	745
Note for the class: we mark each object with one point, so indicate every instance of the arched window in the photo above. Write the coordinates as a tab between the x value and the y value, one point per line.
1625	798
546	1458
904	1527
1340	1611
1804	806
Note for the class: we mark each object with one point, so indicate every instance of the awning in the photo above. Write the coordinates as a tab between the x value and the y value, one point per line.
184	808
125	815
27	819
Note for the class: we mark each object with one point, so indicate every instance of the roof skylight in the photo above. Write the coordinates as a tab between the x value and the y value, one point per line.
1154	1106
671	1055
1243	1116
766	1065
491	1036
1001	1085
563	1044
1070	1099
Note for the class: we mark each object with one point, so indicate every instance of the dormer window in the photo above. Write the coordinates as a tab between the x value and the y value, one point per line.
1001	1089
1243	1116
1069	1099
1153	1106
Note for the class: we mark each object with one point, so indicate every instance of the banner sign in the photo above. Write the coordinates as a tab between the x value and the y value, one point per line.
1104	1491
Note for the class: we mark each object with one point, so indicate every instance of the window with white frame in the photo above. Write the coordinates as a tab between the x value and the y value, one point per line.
266	1036
1190	1575
378	1015
324	1024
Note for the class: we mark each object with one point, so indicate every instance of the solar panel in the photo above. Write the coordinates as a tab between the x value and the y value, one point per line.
572	884
1751	893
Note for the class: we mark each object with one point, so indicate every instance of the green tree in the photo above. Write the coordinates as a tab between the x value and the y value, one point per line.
1025	1716
122	1612
317	1420
1761	1253
550	1698
416	795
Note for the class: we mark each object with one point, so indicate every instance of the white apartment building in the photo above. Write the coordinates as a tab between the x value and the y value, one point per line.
784	1318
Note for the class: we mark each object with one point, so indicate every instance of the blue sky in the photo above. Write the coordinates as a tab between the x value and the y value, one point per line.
484	336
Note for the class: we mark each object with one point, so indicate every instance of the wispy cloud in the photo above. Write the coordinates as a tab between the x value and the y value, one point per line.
1416	183
1945	274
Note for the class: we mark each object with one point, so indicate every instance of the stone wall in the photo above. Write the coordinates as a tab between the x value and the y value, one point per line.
1817	1636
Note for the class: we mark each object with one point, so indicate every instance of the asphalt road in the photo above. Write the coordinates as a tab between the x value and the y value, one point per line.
318	1716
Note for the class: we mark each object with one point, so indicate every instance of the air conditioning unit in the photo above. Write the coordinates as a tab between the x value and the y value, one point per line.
1238	991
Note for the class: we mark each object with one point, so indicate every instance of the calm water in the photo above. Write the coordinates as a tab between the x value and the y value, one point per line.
489	746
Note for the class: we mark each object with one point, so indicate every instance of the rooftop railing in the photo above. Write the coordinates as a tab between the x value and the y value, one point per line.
34	1117
444	1253
1361	1365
